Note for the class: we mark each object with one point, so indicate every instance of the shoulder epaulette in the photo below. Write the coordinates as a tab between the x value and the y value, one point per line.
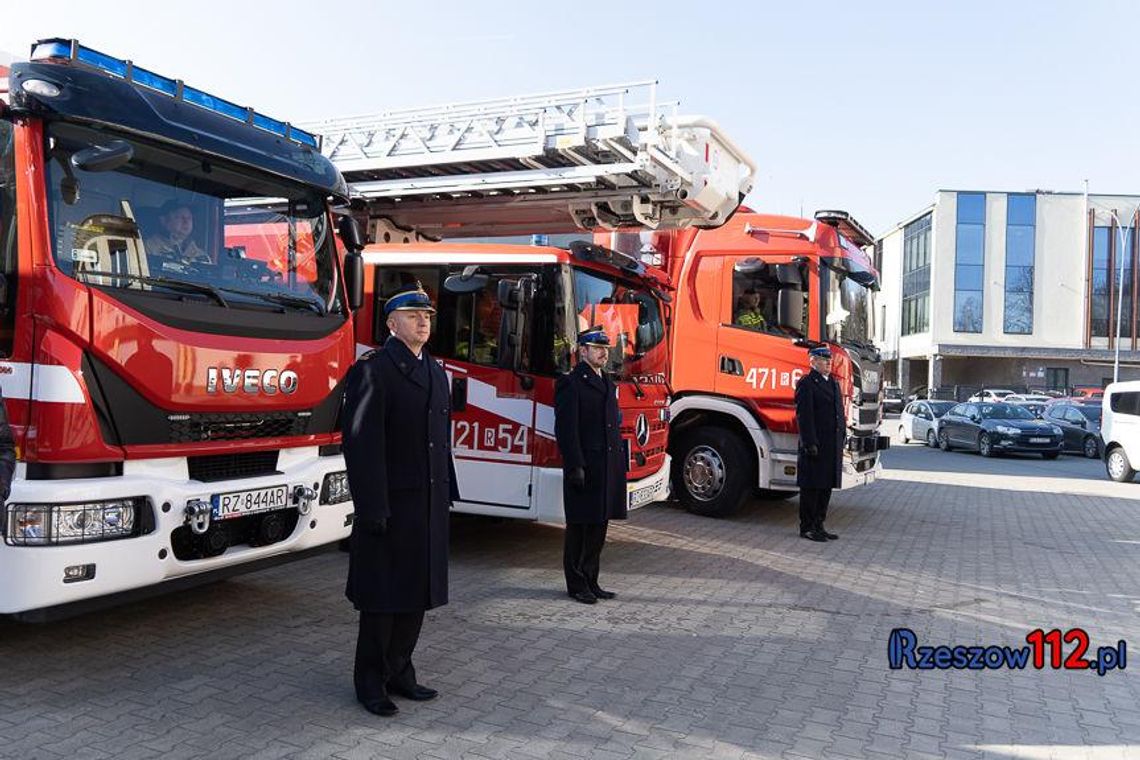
368	355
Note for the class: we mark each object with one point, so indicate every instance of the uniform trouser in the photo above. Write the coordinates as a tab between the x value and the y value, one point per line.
813	508
384	649
582	555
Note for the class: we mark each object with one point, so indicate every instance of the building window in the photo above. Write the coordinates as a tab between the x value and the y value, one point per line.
1111	247
970	262
916	277
1020	228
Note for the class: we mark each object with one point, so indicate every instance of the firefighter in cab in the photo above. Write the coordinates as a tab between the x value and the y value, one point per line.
397	449
587	425
823	427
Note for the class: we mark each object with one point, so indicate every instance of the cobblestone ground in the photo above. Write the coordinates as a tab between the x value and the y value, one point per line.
729	638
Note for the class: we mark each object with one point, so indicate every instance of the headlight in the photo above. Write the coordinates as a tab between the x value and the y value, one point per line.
1007	430
335	488
45	524
1056	430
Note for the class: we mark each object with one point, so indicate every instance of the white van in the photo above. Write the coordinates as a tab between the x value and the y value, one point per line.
1120	429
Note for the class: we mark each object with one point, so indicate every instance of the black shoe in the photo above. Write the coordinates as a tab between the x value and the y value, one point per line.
814	536
601	593
417	693
384	707
829	536
585	597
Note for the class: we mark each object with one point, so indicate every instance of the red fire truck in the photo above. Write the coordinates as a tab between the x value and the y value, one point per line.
508	313
174	327
751	297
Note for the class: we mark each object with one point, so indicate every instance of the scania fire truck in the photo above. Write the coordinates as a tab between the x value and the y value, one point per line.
751	297
508	314
174	326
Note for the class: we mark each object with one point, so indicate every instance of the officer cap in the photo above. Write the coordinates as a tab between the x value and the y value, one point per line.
823	352
595	336
409	298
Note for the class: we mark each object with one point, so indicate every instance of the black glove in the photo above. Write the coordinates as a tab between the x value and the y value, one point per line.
577	478
375	527
812	451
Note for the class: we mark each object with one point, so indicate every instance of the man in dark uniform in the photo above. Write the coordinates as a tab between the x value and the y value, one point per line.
397	448
587	425
823	428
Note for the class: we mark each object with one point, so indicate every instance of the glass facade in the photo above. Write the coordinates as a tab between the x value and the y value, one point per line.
1112	250
1020	230
916	276
969	262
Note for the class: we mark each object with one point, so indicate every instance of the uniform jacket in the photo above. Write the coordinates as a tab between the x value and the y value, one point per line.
822	423
587	424
397	448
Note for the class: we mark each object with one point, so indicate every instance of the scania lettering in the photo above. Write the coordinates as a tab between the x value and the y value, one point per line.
174	326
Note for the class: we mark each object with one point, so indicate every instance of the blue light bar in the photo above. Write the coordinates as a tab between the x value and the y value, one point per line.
72	51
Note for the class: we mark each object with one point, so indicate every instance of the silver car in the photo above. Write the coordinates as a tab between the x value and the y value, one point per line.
919	421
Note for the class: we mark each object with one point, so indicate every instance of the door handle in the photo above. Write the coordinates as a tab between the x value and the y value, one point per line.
458	394
731	366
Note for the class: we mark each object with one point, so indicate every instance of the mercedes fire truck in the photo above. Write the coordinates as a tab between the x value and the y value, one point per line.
508	314
174	327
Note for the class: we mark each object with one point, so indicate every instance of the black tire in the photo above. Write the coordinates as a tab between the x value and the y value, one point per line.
944	441
714	472
1091	447
1050	454
1117	466
931	438
985	445
902	435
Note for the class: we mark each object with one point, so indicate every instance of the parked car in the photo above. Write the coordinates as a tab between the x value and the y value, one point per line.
917	393
1073	400
990	394
1088	391
1031	401
919	421
993	429
1120	430
892	400
1080	424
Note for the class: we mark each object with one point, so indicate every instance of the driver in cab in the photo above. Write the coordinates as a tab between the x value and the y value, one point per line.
174	246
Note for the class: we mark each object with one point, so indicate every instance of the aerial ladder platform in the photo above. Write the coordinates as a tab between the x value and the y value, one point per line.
599	157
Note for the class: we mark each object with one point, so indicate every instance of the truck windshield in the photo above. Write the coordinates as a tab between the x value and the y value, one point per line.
849	311
630	315
176	225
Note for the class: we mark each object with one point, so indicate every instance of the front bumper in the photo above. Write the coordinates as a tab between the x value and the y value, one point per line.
1017	446
35	573
649	489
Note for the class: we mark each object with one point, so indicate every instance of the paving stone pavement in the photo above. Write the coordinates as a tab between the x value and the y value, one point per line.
729	639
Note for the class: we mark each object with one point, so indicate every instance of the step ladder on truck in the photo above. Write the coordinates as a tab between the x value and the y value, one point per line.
561	164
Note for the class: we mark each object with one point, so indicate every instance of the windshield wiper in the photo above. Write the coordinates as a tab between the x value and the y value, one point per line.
284	299
167	282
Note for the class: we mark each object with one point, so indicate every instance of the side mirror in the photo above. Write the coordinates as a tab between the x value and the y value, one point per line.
515	297
470	281
354	279
103	158
750	266
350	234
789	275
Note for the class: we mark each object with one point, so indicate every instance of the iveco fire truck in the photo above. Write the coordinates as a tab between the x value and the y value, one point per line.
508	314
750	298
174	326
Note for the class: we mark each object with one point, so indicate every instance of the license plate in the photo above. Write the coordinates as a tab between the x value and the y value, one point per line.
241	503
1039	440
641	496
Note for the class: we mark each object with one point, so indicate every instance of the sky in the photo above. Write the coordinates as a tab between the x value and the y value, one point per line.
868	106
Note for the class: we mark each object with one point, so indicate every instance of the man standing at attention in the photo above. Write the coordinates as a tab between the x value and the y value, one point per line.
587	425
823	427
397	449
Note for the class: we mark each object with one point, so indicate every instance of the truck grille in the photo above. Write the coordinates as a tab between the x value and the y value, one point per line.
226	466
194	428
